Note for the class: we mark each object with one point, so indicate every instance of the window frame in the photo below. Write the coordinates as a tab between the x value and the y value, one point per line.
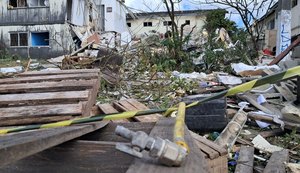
148	24
18	38
36	32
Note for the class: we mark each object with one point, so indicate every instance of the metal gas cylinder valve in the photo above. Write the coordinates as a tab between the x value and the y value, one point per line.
167	152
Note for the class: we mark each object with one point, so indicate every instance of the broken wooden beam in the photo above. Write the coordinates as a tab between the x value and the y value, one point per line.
20	145
245	160
276	162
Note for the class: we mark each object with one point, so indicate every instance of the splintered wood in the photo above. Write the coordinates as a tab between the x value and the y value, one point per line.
47	96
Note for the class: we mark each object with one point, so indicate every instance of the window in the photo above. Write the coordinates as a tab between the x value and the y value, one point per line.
167	23
108	9
40	39
27	3
129	24
294	3
147	24
18	3
38	3
271	24
188	22
19	39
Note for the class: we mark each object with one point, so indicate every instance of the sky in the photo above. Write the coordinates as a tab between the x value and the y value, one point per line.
157	5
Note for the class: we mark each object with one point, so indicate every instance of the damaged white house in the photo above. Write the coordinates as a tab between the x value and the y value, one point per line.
50	28
160	22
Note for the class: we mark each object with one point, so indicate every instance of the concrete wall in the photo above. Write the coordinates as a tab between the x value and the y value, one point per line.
116	19
54	13
296	20
60	41
138	29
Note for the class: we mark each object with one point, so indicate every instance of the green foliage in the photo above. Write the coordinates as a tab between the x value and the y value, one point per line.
216	19
184	84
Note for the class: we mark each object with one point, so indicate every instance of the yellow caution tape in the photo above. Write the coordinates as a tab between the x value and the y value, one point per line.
4	131
123	115
57	124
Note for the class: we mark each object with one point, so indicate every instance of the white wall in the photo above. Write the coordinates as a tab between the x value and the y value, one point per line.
116	20
137	26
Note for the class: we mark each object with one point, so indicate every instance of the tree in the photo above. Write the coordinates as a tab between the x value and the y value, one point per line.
216	19
249	11
177	35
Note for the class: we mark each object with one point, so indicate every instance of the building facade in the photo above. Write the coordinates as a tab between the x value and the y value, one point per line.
268	25
160	22
43	28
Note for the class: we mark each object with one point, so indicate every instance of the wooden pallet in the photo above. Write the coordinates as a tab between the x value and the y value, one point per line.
95	152
128	105
47	96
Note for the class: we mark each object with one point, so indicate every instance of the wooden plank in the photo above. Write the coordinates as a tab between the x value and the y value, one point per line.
209	152
57	72
108	133
32	98
107	108
39	111
82	48
194	162
245	160
93	94
271	133
211	144
140	106
34	120
47	86
20	145
127	106
74	157
276	162
285	92
49	78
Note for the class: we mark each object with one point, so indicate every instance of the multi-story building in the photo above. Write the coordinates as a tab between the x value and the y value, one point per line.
43	28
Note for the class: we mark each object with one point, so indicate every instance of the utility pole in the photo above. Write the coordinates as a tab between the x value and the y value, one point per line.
284	27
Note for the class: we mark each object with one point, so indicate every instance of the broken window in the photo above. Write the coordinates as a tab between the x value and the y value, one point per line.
18	3
271	24
19	39
167	23
40	39
129	24
294	3
38	3
147	24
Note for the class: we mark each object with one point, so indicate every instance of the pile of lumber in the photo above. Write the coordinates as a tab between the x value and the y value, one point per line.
47	96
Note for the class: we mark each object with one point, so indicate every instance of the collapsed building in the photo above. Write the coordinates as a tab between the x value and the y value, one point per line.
31	28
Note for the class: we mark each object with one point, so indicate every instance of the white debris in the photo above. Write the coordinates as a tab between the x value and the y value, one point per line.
17	69
240	67
262	144
194	75
229	80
